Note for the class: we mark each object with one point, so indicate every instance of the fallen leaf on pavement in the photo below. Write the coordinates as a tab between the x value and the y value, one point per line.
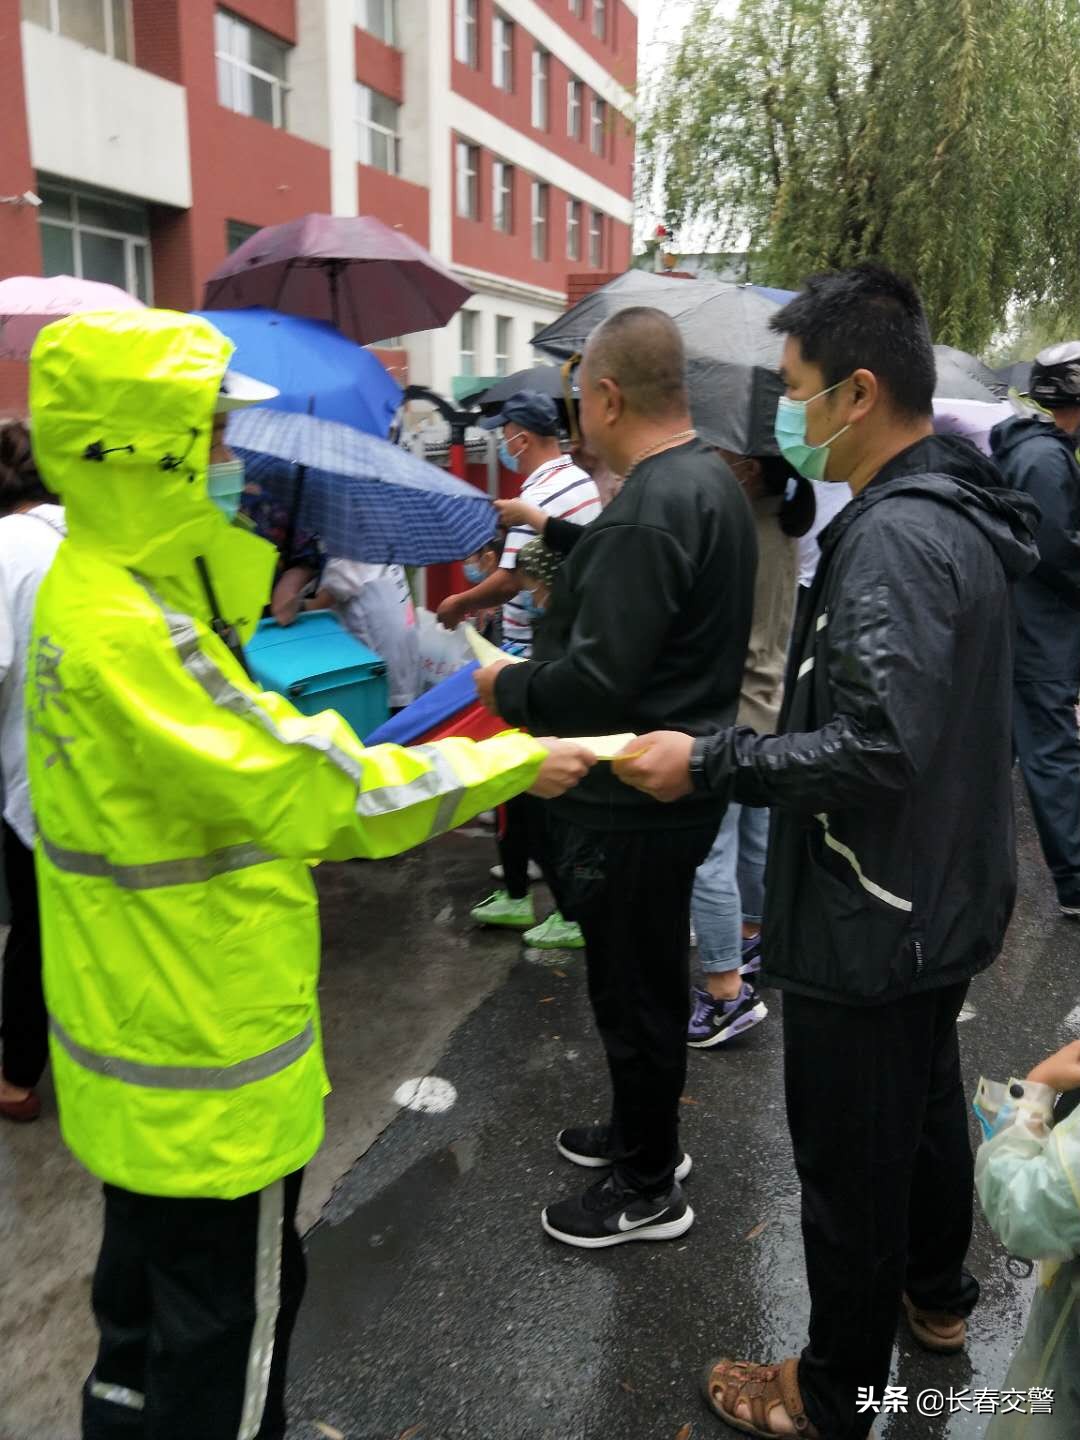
560	973
685	1433
625	1385
756	1231
688	1100
410	1432
329	1432
547	999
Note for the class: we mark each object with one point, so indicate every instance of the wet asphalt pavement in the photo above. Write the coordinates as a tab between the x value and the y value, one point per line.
437	1308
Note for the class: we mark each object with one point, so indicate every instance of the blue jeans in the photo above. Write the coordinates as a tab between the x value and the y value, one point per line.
730	888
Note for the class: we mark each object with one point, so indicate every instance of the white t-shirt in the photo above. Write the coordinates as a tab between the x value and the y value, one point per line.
28	543
830	497
376	604
564	490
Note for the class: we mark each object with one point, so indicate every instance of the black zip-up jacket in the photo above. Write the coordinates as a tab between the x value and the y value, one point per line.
1038	459
892	864
647	629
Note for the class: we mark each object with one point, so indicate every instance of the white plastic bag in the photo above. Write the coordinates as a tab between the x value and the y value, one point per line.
442	652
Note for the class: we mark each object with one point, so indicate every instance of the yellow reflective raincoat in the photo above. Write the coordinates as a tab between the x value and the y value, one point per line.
179	808
1028	1178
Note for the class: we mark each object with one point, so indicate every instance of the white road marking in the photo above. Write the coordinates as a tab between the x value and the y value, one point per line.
428	1094
967	1012
1072	1020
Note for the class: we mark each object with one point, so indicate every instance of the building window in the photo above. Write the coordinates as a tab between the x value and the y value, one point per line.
469	329
377	126
103	25
468	181
577	8
96	236
236	232
573	229
540	67
252	67
599	19
378	18
574	99
504	343
466	47
502	53
596	238
502	197
598	126
539	220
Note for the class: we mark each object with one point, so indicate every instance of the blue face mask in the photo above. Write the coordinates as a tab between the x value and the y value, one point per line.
225	486
527	601
790	431
473	574
510	461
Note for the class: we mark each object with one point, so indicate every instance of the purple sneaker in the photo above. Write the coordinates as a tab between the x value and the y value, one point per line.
751	955
714	1021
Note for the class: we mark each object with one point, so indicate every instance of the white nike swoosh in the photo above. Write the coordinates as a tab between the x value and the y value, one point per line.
625	1224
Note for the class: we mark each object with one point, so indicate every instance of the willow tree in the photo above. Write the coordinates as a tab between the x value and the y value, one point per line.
940	136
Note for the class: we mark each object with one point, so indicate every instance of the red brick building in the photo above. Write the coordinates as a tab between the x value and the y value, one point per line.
159	133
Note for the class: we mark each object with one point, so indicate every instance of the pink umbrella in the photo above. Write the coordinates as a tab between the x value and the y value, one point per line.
29	302
368	280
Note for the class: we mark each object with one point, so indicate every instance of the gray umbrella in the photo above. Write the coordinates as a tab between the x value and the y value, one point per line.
961	376
732	355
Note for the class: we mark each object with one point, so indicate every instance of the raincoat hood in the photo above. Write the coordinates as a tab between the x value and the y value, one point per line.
121	417
954	472
1006	435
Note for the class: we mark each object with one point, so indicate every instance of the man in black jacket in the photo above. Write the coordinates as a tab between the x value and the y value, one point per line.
1037	455
892	872
647	626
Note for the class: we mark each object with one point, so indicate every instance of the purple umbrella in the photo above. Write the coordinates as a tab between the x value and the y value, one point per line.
368	280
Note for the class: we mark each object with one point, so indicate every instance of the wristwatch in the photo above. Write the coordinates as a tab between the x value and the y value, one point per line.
699	781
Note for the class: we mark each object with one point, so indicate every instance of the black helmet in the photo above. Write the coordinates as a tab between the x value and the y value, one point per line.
1055	375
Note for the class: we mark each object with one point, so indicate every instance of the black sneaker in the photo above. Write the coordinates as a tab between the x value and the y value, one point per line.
590	1145
610	1214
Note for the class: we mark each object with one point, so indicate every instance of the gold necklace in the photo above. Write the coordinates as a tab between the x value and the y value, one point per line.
669	442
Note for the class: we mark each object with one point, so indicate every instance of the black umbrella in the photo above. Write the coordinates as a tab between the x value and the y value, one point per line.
733	358
1016	376
961	376
544	379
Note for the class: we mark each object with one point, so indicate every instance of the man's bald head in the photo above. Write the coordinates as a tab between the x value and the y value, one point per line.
640	351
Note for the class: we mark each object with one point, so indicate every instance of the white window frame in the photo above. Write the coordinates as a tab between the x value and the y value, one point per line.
366	127
573	228
541	217
504	354
599	19
468	356
465	150
575	107
131	241
361	15
109	29
502	197
541	87
467	33
502	53
576	8
279	89
598	125
596	237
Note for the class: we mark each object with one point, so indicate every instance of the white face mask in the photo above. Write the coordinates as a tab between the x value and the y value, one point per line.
225	486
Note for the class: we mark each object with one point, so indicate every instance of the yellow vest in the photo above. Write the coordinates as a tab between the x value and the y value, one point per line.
179	808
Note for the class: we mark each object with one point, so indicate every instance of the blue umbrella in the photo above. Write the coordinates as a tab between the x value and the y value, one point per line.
318	371
365	498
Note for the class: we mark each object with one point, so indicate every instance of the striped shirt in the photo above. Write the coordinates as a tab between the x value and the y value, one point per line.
563	489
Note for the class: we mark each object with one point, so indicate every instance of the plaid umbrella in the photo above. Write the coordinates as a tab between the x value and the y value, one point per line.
365	498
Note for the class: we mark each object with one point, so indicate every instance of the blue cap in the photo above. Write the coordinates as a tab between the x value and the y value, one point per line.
531	410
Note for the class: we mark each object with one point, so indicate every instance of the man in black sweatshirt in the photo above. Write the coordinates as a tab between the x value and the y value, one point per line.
892	865
647	627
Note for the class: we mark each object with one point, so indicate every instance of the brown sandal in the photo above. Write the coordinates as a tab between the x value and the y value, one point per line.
935	1330
726	1382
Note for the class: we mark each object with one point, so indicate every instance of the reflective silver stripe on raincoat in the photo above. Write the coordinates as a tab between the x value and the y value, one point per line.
187	1077
878	891
152	876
